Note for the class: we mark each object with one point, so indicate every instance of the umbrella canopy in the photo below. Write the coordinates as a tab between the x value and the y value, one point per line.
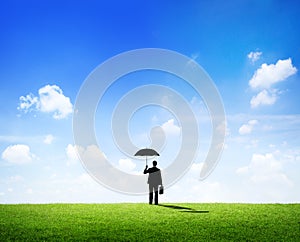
146	152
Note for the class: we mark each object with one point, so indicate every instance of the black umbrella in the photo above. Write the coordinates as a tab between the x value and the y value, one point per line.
146	152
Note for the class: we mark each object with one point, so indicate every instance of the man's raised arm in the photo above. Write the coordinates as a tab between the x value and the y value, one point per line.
146	170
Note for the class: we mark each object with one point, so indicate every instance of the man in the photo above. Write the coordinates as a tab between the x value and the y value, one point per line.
154	180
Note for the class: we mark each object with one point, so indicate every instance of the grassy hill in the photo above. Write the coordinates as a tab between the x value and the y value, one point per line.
142	222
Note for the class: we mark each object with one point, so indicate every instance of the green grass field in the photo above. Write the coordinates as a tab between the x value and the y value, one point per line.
143	222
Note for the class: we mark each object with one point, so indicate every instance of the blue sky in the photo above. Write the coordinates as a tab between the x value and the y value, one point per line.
249	48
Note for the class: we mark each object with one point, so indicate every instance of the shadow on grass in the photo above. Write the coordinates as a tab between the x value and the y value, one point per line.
174	206
182	209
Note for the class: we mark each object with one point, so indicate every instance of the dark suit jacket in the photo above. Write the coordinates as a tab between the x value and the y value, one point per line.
154	177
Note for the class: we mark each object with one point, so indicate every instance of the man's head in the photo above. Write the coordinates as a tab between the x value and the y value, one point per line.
154	163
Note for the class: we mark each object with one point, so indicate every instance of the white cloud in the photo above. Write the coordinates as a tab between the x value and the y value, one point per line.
51	100
264	98
170	128
28	102
254	56
72	154
18	154
247	128
195	170
253	122
126	165
196	191
91	153
262	164
267	75
265	168
242	170
48	139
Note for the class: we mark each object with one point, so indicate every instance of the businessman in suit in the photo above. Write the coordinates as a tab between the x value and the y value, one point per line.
154	181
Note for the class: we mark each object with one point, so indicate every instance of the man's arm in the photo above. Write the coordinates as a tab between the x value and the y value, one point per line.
146	170
160	179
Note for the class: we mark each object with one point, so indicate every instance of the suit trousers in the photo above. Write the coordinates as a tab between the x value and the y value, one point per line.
151	189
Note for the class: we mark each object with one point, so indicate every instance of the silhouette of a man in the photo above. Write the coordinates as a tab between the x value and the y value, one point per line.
154	180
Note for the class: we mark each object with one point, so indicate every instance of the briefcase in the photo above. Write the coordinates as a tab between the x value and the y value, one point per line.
161	189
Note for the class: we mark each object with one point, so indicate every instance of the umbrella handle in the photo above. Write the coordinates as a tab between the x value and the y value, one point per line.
146	161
